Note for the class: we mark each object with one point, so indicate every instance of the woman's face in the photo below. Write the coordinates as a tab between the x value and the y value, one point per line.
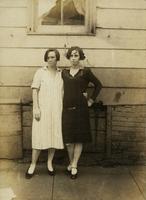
52	59
75	58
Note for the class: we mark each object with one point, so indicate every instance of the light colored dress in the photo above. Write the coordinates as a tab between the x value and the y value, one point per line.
47	132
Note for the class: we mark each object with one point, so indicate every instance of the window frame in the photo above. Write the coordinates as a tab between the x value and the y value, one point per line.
88	29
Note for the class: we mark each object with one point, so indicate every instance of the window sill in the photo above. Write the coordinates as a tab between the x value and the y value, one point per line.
61	34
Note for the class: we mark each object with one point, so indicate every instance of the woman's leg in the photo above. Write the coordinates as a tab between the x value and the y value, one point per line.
70	150
35	156
77	153
51	153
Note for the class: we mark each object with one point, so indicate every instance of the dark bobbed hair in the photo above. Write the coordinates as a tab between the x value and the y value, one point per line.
56	53
81	53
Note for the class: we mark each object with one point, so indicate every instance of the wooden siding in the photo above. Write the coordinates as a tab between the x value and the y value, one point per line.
13	17
105	39
102	58
135	78
10	131
125	4
127	18
128	126
128	88
109	96
14	3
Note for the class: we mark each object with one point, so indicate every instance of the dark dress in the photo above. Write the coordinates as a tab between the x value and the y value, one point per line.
75	117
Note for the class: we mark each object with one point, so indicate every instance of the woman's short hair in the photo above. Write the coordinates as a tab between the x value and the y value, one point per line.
81	53
56	53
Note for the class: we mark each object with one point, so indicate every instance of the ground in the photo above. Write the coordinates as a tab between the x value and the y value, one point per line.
93	183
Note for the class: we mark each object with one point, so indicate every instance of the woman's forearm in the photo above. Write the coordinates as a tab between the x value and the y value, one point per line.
35	99
97	85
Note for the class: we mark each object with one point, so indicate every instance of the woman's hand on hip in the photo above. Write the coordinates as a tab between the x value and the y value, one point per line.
37	113
90	102
85	94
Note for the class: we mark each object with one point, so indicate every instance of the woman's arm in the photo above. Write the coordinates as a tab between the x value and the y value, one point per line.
36	108
97	86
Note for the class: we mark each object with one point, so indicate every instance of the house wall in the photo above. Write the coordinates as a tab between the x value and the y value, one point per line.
117	54
128	138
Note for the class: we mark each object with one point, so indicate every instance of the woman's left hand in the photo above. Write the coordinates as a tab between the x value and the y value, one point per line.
85	94
37	114
90	102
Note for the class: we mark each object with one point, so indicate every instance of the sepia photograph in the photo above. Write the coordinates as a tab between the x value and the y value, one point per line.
73	100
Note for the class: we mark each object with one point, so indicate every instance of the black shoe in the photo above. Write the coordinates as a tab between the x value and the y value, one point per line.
28	176
74	176
51	173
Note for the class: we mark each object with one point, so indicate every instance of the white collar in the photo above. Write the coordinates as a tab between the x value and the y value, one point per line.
45	68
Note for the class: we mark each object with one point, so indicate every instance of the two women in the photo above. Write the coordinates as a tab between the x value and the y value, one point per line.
75	116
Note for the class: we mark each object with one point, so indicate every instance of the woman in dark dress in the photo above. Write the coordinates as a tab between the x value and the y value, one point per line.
75	118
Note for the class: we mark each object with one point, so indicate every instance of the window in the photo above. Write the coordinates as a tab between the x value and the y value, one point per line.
62	16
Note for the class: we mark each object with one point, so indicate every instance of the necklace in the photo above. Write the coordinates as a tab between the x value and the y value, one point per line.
74	71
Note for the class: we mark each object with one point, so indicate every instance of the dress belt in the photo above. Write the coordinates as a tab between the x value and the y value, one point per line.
71	108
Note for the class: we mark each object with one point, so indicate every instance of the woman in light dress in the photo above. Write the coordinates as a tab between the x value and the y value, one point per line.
47	90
